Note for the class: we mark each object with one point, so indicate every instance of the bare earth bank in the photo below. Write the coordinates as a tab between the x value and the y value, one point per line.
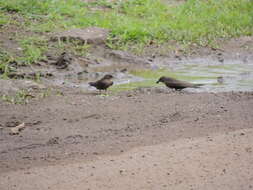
144	139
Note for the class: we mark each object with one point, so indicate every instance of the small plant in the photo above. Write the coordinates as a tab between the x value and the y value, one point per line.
45	93
33	49
73	47
4	19
21	97
6	62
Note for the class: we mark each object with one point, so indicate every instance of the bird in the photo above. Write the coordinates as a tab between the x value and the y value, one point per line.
103	83
177	84
63	61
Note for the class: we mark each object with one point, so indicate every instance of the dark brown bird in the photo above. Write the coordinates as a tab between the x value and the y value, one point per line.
177	84
103	83
63	61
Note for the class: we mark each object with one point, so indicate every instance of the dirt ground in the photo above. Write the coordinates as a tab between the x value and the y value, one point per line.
143	139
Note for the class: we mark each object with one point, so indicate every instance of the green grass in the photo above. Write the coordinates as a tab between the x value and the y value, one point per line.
133	24
4	19
73	47
33	49
21	97
5	63
142	20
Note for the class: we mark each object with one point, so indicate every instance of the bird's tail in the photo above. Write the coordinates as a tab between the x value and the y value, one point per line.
198	85
91	83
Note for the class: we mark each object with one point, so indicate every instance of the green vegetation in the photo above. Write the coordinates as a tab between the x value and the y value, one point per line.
21	97
5	63
33	48
142	20
73	47
4	19
133	24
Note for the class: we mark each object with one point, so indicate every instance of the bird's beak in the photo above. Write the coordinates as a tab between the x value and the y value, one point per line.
157	82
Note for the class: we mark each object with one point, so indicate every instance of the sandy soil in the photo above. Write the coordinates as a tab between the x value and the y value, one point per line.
144	139
222	161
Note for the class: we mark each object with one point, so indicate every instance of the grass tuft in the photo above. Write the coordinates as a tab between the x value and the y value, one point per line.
4	19
6	61
33	49
21	97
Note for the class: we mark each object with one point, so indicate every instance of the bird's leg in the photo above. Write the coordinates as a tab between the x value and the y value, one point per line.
101	92
182	91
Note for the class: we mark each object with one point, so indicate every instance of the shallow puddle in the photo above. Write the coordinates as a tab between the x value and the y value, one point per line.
236	75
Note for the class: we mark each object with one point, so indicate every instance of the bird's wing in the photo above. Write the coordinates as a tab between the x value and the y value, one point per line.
92	83
105	83
181	84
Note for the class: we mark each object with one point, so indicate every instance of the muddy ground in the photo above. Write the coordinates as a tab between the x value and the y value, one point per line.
86	129
147	138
